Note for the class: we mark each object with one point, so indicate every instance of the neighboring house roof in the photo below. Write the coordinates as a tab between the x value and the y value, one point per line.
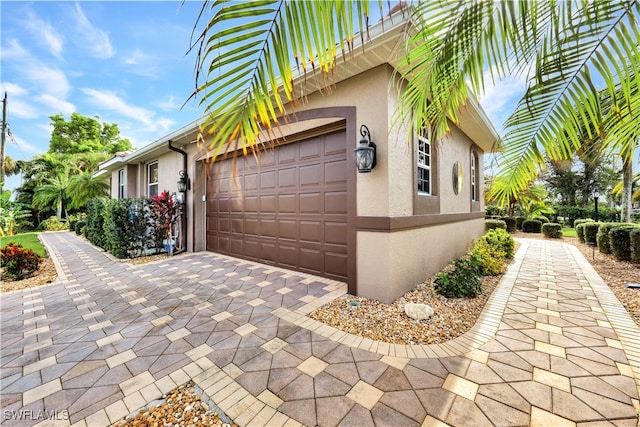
382	45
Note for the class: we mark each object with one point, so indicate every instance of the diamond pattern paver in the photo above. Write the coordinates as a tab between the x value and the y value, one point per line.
554	347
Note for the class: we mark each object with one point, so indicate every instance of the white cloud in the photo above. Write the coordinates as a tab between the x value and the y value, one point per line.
136	57
94	39
50	80
59	105
14	89
26	147
165	124
43	31
169	104
14	50
111	101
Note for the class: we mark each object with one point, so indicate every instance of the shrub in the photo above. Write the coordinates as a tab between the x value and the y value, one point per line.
460	279
552	230
580	231
490	258
511	223
19	262
490	224
602	238
502	240
53	224
491	211
79	226
581	221
95	223
543	219
620	241
634	238
519	221
531	226
590	230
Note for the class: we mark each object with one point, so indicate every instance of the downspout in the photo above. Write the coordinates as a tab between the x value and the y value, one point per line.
184	202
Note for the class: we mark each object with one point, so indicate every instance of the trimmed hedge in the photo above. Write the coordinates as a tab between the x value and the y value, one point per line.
580	231
531	226
590	231
602	238
511	223
519	221
634	237
79	226
620	238
543	219
581	221
491	249
491	224
552	230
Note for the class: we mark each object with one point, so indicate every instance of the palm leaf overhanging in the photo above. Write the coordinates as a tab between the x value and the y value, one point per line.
248	53
569	51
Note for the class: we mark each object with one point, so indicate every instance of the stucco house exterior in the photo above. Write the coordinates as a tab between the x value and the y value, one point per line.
305	207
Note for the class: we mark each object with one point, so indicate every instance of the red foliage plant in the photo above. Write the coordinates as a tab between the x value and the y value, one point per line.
165	210
18	262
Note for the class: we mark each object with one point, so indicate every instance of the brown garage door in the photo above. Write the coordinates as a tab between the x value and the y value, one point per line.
289	211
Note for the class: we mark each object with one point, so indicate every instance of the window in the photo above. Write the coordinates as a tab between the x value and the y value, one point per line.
121	184
474	177
152	179
424	165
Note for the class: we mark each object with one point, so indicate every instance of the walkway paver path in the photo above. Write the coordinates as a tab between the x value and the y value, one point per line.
553	347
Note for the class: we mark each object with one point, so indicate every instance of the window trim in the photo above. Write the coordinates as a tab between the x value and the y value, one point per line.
473	174
423	203
423	165
149	175
121	184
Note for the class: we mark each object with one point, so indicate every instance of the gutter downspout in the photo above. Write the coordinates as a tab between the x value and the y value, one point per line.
184	203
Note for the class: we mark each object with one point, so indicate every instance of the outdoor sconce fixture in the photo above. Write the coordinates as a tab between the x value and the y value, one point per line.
596	196
366	152
183	182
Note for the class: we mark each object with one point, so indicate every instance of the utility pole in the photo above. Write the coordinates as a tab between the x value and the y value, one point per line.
4	132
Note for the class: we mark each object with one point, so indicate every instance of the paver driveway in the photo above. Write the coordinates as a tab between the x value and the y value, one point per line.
553	347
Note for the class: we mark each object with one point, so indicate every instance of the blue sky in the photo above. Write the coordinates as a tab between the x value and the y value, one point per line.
125	62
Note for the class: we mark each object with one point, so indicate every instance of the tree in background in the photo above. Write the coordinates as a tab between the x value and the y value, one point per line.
62	178
570	52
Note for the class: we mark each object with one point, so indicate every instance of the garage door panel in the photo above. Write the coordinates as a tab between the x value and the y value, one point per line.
335	172
292	208
335	202
287	203
288	178
311	175
311	231
288	229
335	233
311	203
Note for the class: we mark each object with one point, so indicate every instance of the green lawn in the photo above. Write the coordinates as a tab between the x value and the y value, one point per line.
569	232
27	240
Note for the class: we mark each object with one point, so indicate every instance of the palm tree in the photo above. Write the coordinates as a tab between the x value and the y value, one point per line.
53	192
564	48
84	187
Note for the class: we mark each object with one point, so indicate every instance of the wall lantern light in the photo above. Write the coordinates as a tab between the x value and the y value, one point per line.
596	196
183	182
366	152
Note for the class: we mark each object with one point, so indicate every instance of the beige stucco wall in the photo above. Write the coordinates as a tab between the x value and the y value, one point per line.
390	264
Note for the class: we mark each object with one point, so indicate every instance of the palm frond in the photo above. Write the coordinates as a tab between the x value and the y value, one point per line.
249	64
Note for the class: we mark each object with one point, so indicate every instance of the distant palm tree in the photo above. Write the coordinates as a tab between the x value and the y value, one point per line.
11	166
567	50
84	187
53	192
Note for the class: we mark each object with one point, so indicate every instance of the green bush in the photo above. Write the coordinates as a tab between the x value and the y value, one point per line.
580	231
490	224
581	221
552	230
460	279
18	262
543	219
53	224
490	258
511	223
620	241
590	231
602	238
79	226
634	238
531	226
502	240
94	229
519	221
491	211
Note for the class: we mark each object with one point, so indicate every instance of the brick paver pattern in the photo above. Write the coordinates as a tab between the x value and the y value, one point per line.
554	347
